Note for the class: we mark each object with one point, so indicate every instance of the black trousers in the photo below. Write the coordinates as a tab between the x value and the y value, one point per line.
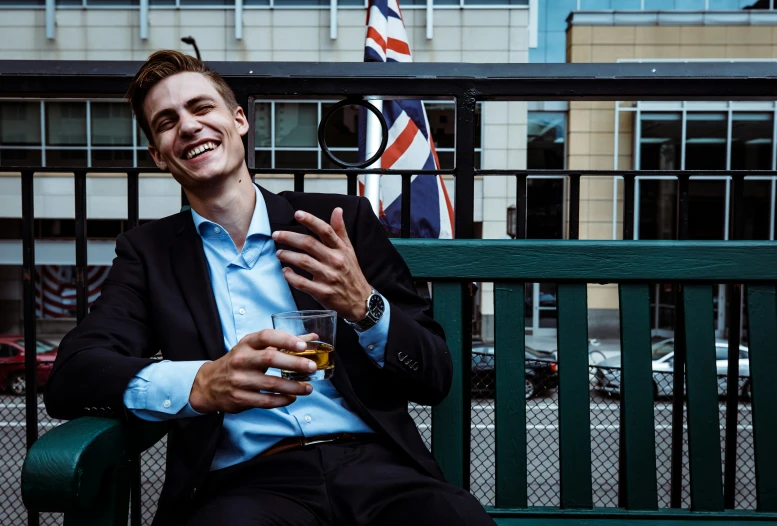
346	483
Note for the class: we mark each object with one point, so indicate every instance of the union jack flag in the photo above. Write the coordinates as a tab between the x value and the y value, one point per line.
410	145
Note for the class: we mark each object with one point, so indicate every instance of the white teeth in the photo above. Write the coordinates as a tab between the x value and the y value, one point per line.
199	149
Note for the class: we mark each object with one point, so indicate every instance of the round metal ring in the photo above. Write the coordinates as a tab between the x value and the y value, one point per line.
331	111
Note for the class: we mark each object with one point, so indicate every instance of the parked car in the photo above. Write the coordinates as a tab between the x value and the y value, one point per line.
541	371
12	363
608	373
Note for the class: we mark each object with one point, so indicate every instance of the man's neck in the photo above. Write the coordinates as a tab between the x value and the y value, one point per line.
231	205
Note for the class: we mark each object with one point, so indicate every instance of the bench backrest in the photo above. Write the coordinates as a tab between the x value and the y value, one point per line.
633	265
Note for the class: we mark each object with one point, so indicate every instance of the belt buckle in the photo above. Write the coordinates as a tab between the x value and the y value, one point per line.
306	443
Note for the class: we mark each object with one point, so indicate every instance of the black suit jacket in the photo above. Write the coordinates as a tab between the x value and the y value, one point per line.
158	297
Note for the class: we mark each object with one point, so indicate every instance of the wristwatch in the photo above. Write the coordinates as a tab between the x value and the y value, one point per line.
375	309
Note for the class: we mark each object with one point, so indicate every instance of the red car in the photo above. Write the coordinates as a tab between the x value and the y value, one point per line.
12	363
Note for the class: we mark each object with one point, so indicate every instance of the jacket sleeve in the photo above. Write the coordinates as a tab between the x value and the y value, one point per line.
416	355
97	359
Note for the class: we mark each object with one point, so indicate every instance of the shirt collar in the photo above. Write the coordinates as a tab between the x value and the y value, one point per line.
260	221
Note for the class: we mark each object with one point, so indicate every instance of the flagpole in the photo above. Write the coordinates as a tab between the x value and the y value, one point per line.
374	132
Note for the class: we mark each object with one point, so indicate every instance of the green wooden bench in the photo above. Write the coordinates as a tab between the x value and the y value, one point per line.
81	467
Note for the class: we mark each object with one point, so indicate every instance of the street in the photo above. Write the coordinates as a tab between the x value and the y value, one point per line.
542	451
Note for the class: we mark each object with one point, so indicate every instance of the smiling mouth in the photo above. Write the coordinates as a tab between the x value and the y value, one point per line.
199	150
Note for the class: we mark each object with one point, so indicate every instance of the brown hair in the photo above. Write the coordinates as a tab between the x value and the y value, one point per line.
163	64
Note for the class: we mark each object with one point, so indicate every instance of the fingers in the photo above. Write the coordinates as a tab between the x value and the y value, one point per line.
320	227
273	338
303	242
319	291
301	260
338	225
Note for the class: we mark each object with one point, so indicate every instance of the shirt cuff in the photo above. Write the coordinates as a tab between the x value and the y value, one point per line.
161	390
373	340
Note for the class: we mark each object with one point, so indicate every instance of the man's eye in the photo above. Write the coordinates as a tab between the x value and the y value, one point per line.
162	126
203	108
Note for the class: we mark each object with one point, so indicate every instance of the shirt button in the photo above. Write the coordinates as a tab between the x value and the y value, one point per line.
308	418
166	403
217	230
370	347
241	310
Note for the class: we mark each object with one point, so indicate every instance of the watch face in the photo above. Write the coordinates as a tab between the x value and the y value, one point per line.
376	306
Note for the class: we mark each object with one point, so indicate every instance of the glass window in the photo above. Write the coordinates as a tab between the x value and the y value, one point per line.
142	139
20	157
546	139
262	124
689	5
342	129
725	5
111	158
258	2
545	209
494	2
207	2
442	123
120	3
66	158
705	141
348	156
16	3
706	209
556	18
296	159
66	123
751	141
660	138
19	123
296	124
263	159
657	204
659	5
758	198
111	124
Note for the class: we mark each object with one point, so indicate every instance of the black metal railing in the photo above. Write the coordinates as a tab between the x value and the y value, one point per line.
466	84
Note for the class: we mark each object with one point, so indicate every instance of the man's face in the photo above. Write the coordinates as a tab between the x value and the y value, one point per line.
195	135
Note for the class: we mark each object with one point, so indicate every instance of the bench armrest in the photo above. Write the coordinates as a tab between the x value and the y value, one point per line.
65	469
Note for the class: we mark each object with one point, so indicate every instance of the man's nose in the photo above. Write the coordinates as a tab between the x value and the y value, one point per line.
189	125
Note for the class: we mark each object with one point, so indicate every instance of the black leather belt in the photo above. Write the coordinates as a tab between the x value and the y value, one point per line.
290	443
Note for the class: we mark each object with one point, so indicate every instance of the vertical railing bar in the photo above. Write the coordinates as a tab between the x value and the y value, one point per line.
133	218
465	165
628	206
678	378
133	214
404	221
82	298
251	135
520	206
299	182
574	206
30	328
353	179
734	295
510	479
449	446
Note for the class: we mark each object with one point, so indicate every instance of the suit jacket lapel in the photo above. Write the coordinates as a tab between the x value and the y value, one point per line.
281	215
191	271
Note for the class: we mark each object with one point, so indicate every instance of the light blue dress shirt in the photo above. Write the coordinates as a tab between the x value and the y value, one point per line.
249	287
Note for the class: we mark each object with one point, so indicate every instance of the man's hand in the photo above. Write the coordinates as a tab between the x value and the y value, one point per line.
234	382
338	283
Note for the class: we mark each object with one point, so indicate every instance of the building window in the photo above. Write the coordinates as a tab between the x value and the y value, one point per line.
70	134
286	134
546	140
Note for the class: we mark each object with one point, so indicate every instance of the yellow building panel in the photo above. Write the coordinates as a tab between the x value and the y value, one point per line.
757	35
657	35
611	53
603	296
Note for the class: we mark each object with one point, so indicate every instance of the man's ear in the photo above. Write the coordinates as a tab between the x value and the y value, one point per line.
157	157
241	121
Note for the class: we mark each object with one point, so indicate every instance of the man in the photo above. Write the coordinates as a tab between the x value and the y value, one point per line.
247	447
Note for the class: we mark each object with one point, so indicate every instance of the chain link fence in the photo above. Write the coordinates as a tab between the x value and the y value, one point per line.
541	442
